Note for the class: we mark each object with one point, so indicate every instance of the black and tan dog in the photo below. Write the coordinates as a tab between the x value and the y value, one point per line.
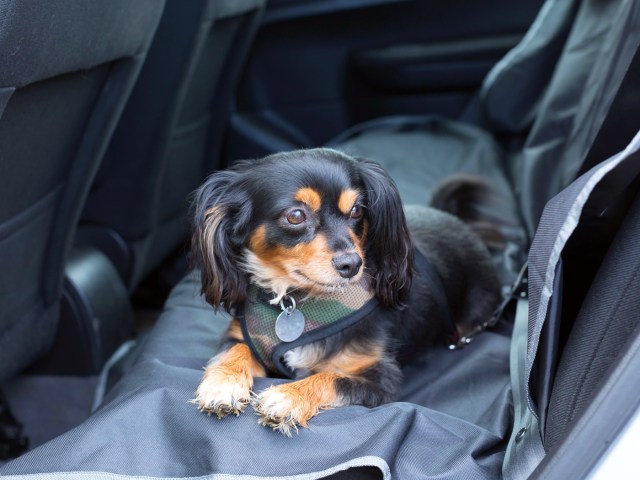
283	239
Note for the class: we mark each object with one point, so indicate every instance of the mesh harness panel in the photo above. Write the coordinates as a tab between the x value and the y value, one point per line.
324	316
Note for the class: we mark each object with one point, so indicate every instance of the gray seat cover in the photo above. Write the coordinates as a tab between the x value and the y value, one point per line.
451	418
550	135
420	153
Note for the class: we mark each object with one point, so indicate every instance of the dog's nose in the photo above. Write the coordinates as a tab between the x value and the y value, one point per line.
347	265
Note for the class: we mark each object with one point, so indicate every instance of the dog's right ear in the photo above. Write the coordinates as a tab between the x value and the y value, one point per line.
389	242
221	212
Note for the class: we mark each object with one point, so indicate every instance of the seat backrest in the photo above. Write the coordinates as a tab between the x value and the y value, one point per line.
170	134
608	318
603	40
583	272
67	67
510	93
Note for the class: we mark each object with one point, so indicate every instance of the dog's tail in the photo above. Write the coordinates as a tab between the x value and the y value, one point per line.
478	204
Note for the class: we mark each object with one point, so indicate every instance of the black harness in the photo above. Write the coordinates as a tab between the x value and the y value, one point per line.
262	321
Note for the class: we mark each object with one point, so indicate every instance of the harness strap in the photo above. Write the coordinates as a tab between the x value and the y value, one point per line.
323	317
277	357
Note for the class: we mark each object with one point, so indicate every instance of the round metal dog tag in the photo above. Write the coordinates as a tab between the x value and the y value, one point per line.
289	325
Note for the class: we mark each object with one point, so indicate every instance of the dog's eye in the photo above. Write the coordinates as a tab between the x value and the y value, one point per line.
356	212
296	217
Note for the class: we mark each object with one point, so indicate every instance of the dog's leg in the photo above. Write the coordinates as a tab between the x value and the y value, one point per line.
284	407
343	382
228	378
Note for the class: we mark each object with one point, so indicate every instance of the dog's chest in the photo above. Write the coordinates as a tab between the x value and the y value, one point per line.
322	318
304	359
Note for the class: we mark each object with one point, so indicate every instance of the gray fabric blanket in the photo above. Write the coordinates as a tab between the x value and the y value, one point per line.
450	421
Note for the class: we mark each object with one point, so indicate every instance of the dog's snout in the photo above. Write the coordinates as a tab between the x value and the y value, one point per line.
347	265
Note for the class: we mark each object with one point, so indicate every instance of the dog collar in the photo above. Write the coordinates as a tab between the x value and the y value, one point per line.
322	317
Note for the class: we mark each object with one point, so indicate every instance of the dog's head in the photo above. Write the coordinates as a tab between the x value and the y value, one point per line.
315	220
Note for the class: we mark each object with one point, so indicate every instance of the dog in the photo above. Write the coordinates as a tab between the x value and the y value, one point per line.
275	236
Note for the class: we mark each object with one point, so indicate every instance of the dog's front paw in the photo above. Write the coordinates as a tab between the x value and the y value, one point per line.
226	384
287	406
282	412
222	393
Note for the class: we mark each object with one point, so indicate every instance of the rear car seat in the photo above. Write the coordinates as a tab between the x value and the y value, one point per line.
455	412
535	117
456	416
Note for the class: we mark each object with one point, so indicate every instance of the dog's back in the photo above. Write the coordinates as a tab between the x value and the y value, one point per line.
456	234
463	263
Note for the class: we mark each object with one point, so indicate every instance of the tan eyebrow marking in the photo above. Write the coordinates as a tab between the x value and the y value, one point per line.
347	200
309	197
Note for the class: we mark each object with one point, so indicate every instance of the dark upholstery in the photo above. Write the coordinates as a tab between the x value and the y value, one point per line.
67	67
606	322
171	131
576	102
535	117
507	102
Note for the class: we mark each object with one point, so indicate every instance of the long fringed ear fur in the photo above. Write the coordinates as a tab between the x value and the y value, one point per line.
389	243
220	214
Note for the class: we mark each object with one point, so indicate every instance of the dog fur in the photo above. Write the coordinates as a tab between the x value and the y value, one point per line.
319	220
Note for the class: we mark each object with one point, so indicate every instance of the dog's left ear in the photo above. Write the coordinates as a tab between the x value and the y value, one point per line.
389	243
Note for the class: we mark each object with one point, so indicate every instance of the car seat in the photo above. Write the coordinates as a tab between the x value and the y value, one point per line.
458	410
467	413
67	68
170	134
534	118
575	341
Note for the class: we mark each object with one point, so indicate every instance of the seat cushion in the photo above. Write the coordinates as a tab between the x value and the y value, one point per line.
450	419
420	153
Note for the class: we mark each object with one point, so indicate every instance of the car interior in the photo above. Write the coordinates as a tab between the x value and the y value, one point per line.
113	113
